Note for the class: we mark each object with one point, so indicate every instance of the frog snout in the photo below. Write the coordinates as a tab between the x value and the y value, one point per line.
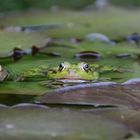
72	72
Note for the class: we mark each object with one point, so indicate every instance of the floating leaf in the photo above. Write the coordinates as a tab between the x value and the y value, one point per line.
10	40
97	94
33	122
130	118
21	88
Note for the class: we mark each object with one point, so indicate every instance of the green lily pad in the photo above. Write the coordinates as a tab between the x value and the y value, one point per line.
10	40
120	22
22	88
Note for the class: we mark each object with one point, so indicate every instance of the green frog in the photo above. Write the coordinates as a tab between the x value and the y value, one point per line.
34	74
67	74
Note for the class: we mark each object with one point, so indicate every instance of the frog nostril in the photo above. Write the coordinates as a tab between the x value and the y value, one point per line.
72	72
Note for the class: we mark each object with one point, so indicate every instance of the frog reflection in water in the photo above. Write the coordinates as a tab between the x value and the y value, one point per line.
76	73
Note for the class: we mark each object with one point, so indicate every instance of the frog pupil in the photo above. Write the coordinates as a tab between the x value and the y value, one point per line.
86	67
61	67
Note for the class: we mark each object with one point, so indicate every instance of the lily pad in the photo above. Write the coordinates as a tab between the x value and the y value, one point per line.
33	122
97	94
10	40
21	88
129	117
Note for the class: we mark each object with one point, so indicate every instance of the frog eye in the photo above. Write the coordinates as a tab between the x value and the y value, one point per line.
61	66
86	67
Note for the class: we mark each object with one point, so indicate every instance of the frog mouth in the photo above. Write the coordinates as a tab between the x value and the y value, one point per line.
72	77
65	80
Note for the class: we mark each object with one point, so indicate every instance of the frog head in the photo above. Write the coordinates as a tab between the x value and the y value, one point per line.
73	72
